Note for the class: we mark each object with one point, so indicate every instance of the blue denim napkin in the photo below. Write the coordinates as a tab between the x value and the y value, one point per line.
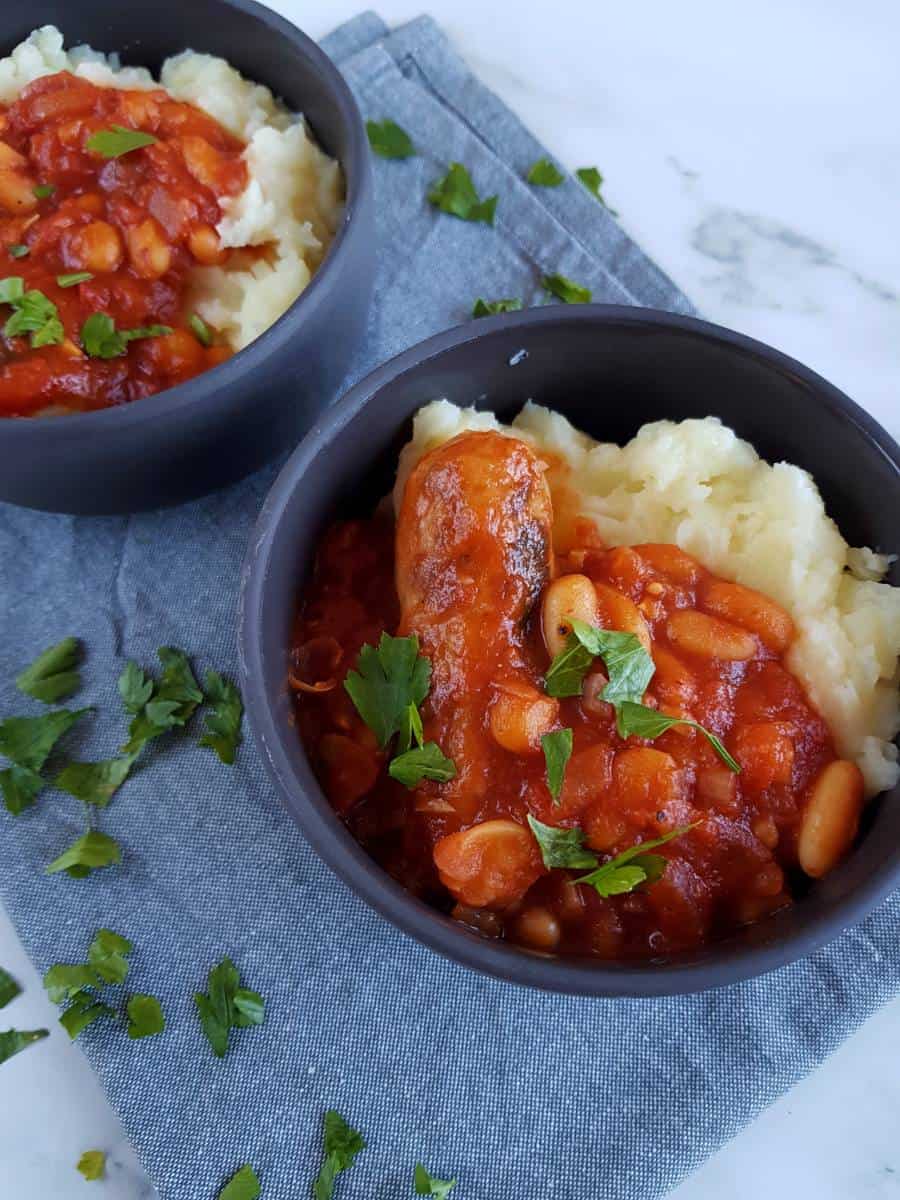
518	1094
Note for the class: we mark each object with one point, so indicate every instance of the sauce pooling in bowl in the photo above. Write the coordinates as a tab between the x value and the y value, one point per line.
94	224
744	792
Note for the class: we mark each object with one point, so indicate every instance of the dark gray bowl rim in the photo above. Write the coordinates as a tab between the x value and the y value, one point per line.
206	386
722	963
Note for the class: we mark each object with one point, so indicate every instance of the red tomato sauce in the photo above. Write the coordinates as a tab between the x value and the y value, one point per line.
139	223
733	868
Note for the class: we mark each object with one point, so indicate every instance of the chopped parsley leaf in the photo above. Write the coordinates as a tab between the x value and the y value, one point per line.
422	762
388	140
561	847
19	787
200	329
92	1164
490	308
145	1016
52	675
593	181
342	1143
455	194
44	190
20	250
94	783
387	680
427	1185
632	867
566	289
101	339
223	724
15	1040
557	747
116	141
243	1185
544	173
89	853
227	1006
33	313
640	721
27	741
9	989
67	281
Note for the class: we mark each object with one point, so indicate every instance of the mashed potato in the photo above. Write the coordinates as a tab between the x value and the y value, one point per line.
698	485
293	198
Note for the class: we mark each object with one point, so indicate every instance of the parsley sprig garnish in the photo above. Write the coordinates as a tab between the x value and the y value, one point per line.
388	685
342	1144
116	141
630	669
557	747
565	848
101	339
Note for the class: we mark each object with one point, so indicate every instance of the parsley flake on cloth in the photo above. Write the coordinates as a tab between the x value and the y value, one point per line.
389	140
566	289
226	1006
490	308
53	675
544	173
455	194
342	1144
223	725
243	1185
427	1184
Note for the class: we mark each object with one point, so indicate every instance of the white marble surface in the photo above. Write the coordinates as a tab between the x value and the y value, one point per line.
753	150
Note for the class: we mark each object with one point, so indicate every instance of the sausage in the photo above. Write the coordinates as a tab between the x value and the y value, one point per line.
473	553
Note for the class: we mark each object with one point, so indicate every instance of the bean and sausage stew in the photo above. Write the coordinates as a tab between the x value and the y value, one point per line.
108	198
600	753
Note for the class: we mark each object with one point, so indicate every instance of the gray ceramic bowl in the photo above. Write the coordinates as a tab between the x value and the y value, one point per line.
215	428
609	370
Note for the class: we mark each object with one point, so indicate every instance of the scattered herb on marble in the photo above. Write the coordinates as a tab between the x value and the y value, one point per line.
593	181
544	173
223	724
557	747
490	308
85	986
13	1041
9	989
92	1164
389	140
116	141
243	1185
427	1184
566	289
455	194
342	1143
226	1006
53	675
